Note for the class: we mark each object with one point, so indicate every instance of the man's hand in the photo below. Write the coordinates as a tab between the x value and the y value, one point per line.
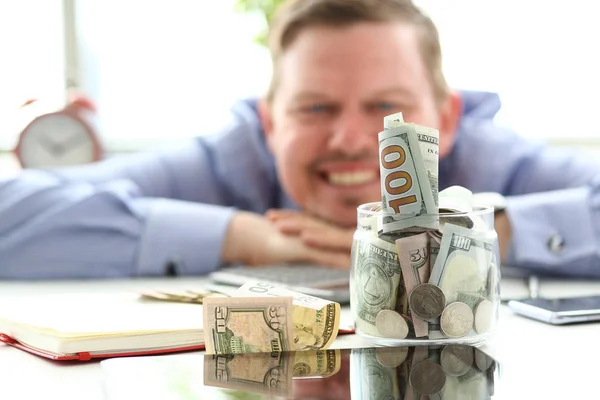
312	231
253	239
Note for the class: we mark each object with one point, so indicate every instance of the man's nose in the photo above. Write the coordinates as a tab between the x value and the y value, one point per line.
353	133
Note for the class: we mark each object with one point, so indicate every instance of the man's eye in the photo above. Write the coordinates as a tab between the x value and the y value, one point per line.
316	108
386	106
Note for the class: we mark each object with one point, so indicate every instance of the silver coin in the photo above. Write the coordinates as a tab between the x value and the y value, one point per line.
391	324
456	360
482	360
456	320
484	316
391	357
427	301
427	377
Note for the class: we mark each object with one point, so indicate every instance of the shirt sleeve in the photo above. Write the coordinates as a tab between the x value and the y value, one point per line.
134	215
553	199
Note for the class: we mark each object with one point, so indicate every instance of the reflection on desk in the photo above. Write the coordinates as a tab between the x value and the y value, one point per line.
448	372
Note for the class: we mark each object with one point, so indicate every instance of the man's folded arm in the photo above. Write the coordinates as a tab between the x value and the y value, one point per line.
122	217
554	210
557	232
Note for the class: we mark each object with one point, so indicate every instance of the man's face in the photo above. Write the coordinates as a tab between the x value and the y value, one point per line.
336	85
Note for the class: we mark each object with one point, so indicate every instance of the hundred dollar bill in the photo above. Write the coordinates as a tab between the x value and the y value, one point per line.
408	155
377	276
264	373
315	321
414	261
234	325
463	262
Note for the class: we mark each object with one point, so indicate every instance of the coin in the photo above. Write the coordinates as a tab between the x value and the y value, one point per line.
482	360
391	357
456	360
391	324
483	316
427	377
427	301
456	320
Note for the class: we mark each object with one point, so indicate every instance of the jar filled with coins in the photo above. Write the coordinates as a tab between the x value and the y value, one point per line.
435	281
424	263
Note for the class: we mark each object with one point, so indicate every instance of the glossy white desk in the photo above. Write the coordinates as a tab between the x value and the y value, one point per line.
537	361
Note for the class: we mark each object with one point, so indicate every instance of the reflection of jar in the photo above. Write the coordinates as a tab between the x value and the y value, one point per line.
425	285
448	372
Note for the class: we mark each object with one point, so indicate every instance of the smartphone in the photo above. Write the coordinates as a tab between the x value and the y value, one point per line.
559	311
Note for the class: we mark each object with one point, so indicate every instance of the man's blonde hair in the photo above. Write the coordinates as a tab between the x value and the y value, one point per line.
295	15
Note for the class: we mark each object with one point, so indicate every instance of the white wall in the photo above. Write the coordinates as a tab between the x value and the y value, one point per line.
541	56
31	59
169	68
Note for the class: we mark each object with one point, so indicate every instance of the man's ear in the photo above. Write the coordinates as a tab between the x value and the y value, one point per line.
450	114
265	114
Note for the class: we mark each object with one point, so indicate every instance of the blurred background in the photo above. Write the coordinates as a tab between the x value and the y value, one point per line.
161	70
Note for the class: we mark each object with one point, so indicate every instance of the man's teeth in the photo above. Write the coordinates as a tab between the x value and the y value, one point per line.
351	178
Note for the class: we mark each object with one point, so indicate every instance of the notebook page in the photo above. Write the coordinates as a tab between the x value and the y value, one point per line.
99	314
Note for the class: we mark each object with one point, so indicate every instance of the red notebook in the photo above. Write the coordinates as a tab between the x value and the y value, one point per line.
85	327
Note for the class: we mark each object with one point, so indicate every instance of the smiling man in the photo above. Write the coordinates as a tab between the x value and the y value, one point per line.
281	181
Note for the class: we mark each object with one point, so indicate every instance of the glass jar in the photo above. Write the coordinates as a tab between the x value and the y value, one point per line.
434	285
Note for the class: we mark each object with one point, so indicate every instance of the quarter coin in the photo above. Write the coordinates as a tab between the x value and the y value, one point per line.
483	316
427	301
456	320
456	360
390	324
427	377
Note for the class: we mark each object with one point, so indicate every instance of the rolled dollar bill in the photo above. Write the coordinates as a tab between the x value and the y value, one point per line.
377	276
408	155
234	325
414	261
315	321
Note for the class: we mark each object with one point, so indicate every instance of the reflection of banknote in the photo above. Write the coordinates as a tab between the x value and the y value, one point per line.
247	325
414	261
371	380
317	363
409	176
265	373
315	321
462	263
377	277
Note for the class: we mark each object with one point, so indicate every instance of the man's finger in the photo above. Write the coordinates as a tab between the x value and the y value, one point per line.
334	259
329	238
290	226
276	214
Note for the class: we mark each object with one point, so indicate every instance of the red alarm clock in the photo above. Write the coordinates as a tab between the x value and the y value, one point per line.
62	138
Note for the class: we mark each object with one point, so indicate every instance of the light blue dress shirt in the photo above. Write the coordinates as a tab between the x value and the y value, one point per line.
135	215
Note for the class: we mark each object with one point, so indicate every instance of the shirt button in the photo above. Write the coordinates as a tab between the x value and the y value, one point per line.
556	243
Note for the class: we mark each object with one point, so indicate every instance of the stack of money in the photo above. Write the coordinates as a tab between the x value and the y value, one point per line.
448	372
261	317
424	264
